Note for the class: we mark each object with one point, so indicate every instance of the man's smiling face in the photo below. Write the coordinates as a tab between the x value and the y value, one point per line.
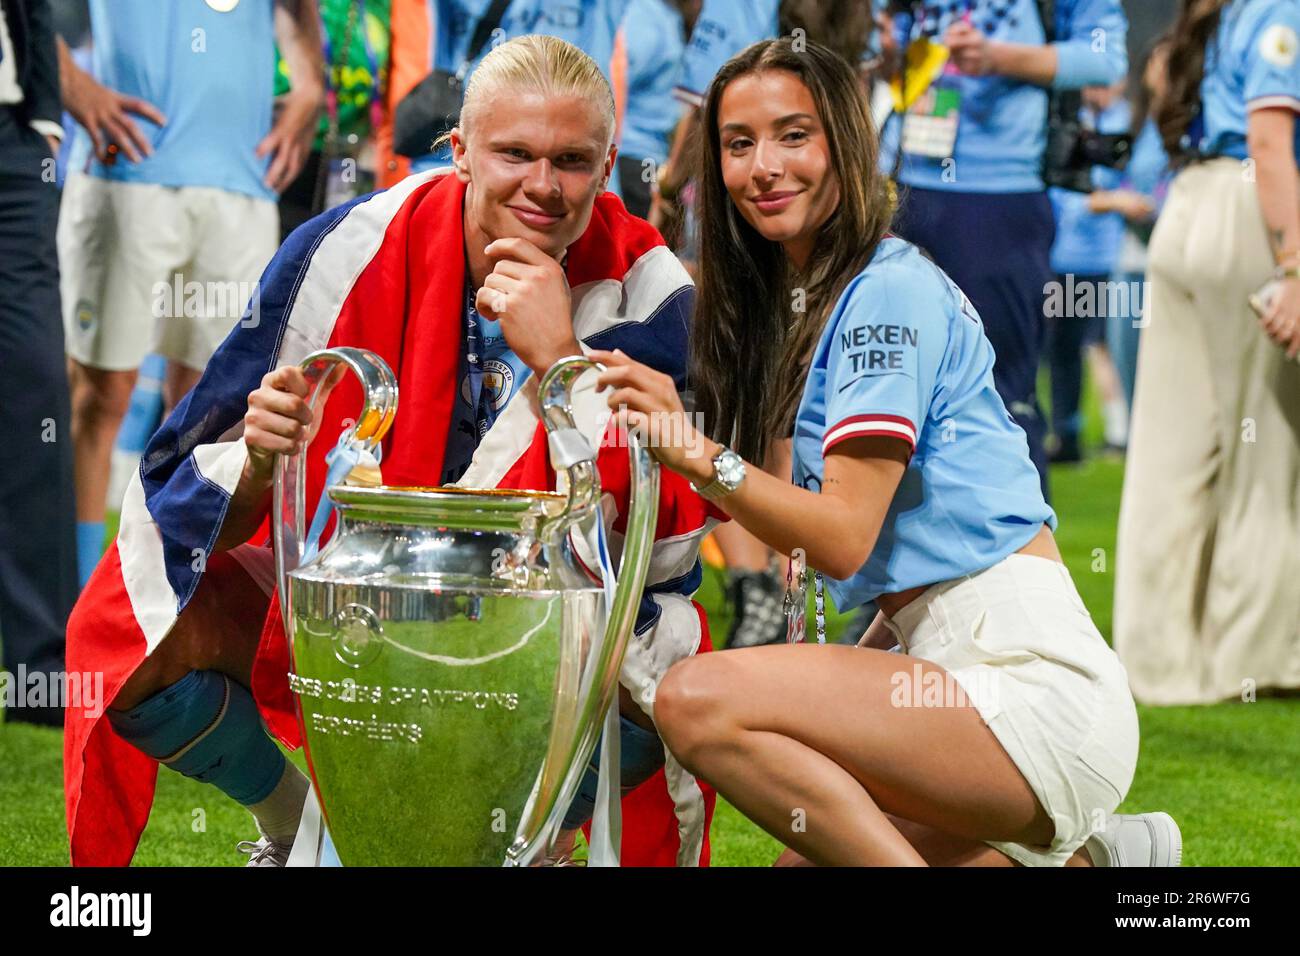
535	164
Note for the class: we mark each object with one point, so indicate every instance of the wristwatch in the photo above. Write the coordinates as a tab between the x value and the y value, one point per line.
728	473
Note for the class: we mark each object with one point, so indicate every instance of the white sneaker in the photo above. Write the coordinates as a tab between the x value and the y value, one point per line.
1138	839
265	852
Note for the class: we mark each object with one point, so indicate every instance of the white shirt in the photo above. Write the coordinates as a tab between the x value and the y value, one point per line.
10	91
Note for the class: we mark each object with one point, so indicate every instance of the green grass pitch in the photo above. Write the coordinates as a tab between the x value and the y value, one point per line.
1226	772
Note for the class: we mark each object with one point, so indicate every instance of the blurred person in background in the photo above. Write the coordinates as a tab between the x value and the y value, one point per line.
1142	190
1084	253
654	34
38	583
970	152
341	165
462	32
175	174
1214	463
755	576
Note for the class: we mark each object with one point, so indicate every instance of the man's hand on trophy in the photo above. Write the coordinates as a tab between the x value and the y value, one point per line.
647	401
528	293
278	420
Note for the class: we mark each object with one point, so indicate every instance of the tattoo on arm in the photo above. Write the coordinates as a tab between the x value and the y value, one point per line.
1277	238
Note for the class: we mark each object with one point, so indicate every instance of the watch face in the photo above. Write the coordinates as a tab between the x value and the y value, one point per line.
731	468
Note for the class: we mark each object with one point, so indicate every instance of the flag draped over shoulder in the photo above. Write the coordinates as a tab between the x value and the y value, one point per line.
385	272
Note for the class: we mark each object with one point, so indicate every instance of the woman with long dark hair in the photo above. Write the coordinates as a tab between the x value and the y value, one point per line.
1214	468
1005	732
724	28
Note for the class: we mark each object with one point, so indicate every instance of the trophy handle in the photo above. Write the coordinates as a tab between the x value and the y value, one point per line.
372	424
571	451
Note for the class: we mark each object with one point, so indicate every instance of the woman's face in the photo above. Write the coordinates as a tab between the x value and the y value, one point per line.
535	165
776	159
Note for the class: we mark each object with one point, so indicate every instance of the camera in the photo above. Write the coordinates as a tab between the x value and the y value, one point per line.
1073	149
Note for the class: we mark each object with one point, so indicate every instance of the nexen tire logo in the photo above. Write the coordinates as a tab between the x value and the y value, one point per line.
72	909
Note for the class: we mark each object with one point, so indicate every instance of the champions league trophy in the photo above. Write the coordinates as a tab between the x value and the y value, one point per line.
451	661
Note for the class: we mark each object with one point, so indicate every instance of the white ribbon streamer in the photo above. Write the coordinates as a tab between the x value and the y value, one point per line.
607	816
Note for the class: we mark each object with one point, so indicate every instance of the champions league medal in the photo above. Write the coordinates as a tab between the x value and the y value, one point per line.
451	662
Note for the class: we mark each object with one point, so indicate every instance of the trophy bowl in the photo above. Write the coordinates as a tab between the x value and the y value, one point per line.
452	658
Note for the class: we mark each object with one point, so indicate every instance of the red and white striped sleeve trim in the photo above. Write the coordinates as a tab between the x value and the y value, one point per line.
891	426
1277	101
688	97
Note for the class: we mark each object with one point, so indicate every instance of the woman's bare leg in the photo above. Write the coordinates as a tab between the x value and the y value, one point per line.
806	742
942	849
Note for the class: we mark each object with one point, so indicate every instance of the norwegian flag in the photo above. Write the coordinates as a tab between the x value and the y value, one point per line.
387	273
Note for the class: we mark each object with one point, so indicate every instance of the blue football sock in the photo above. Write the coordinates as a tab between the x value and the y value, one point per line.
90	546
206	726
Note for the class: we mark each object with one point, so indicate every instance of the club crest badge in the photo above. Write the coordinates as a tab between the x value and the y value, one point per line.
1279	46
498	383
85	315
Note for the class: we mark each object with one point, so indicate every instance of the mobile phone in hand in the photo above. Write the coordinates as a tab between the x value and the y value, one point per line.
1262	300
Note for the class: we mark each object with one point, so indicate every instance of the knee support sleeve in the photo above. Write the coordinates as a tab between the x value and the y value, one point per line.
206	726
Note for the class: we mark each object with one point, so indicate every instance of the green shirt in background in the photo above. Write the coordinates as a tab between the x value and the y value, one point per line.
355	80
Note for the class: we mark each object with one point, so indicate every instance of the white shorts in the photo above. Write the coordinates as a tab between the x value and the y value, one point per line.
1023	649
149	268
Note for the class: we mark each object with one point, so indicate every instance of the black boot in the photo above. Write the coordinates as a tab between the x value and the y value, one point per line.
758	613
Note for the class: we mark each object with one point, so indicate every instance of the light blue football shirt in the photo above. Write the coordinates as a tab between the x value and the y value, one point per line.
904	354
590	25
211	74
490	375
1148	169
1002	129
656	45
724	28
1253	62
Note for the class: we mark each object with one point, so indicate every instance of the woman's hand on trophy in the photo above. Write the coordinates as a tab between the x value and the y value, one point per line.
528	293
647	401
